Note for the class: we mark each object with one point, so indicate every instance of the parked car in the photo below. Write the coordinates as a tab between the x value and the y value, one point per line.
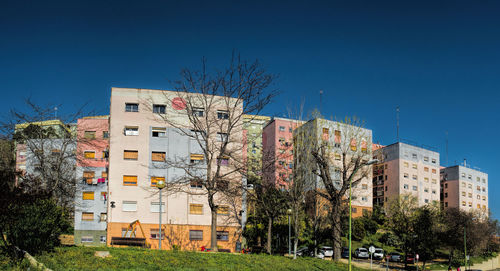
345	252
327	251
410	258
305	252
361	253
378	254
394	257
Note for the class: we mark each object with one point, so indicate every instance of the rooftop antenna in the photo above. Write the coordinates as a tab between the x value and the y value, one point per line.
55	112
320	101
447	148
397	123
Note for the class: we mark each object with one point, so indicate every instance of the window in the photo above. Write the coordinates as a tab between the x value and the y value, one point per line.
130	155
129	206
479	206
326	134
290	129
426	201
414	166
353	145
433	191
364	146
105	134
426	158
131	131
158	156
222	235
469	177
405	186
159	108
484	180
337	138
88	176
89	134
414	188
155	234
463	184
196	184
364	198
434	171
426	179
155	207
87	239
89	154
158	132
470	204
223	210
195	235
128	232
463	175
222	137
478	179
463	193
223	114
414	155
129	180
196	209
426	190
484	197
103	239
337	156
154	180
86	216
103	195
194	158
445	185
434	181
104	174
446	204
282	128
426	169
469	186
405	164
445	195
478	188
478	197
88	195
484	189
131	107
198	111
414	177
223	161
103	217
364	186
433	161
405	175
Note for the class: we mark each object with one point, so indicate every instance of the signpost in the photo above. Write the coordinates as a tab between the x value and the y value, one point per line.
371	249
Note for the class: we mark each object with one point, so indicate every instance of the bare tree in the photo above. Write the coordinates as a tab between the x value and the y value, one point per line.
332	157
209	109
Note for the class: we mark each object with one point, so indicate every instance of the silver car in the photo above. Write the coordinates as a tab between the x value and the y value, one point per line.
361	253
378	254
327	251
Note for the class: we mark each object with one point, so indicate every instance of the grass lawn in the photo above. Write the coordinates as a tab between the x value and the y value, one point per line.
82	258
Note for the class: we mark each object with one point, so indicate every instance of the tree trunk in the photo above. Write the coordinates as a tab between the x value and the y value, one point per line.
337	244
295	244
269	234
213	231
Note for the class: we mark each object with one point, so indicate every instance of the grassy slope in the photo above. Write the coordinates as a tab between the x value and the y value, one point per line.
81	258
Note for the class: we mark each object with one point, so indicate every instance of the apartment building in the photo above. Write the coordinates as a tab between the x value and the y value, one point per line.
277	145
341	140
253	126
92	173
405	170
141	144
464	188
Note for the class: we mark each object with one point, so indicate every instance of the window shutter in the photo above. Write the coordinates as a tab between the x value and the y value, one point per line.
130	155
129	180
88	195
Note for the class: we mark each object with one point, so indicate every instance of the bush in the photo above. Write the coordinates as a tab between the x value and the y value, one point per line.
34	227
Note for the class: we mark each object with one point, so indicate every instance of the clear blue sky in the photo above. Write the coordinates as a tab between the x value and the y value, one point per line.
438	60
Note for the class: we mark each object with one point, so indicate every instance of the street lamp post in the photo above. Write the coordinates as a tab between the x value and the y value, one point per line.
289	212
160	184
371	162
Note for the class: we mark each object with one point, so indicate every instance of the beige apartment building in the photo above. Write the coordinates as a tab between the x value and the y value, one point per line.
341	139
464	188
141	144
406	170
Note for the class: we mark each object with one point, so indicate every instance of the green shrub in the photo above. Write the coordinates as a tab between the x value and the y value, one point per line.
34	227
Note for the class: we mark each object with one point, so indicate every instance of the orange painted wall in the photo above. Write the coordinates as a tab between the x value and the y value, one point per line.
178	235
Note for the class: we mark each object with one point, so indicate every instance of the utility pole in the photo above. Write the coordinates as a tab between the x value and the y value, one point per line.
397	123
